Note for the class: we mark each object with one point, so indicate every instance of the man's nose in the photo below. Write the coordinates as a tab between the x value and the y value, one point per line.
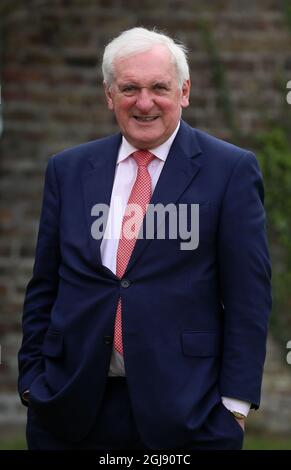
144	100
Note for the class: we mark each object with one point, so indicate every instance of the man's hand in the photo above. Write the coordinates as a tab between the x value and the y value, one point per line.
239	417
241	422
25	395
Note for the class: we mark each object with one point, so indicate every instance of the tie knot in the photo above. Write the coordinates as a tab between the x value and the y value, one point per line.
143	157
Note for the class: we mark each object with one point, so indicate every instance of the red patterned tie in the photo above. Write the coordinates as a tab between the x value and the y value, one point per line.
140	196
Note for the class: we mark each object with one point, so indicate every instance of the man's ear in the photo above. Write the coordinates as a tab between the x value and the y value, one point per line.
108	95
185	93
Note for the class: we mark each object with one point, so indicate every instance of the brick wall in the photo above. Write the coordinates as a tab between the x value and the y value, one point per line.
52	98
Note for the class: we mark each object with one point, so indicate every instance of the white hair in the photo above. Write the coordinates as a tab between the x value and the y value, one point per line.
136	40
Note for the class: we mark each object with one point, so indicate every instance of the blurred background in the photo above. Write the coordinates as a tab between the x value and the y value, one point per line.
52	98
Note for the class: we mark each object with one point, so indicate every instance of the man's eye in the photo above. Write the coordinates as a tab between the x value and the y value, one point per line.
160	87
128	89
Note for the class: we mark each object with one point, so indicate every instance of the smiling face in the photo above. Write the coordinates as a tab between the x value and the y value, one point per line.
146	98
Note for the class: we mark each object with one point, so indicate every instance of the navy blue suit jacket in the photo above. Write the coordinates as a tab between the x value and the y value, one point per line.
195	322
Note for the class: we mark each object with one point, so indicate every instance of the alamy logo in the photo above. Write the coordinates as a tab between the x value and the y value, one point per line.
160	222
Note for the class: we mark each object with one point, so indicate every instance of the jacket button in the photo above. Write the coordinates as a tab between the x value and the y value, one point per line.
125	283
108	339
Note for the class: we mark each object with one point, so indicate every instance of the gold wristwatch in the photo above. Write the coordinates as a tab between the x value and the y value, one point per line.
237	415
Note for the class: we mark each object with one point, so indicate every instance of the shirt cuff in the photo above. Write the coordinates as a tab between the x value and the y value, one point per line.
233	404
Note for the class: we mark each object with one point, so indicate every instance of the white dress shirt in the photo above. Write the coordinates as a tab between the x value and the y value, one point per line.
125	175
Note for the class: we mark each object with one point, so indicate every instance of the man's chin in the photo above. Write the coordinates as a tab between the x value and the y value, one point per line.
146	144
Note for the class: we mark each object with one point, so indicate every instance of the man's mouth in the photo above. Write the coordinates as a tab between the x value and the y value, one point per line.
145	118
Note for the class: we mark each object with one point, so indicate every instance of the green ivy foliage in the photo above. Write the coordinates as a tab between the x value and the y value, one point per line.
274	155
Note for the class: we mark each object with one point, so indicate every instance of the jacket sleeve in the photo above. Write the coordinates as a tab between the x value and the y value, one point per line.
244	273
42	289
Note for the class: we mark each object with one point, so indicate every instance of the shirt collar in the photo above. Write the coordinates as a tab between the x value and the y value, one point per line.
161	151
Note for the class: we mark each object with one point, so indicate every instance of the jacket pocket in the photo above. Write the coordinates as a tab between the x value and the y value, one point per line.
201	344
53	344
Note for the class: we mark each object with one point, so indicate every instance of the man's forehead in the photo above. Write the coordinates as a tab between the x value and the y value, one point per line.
144	80
145	74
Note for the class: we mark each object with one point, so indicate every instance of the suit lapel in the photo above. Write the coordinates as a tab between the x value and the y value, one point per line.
98	183
178	172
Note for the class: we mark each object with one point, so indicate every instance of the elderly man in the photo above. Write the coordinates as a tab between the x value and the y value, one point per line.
135	341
